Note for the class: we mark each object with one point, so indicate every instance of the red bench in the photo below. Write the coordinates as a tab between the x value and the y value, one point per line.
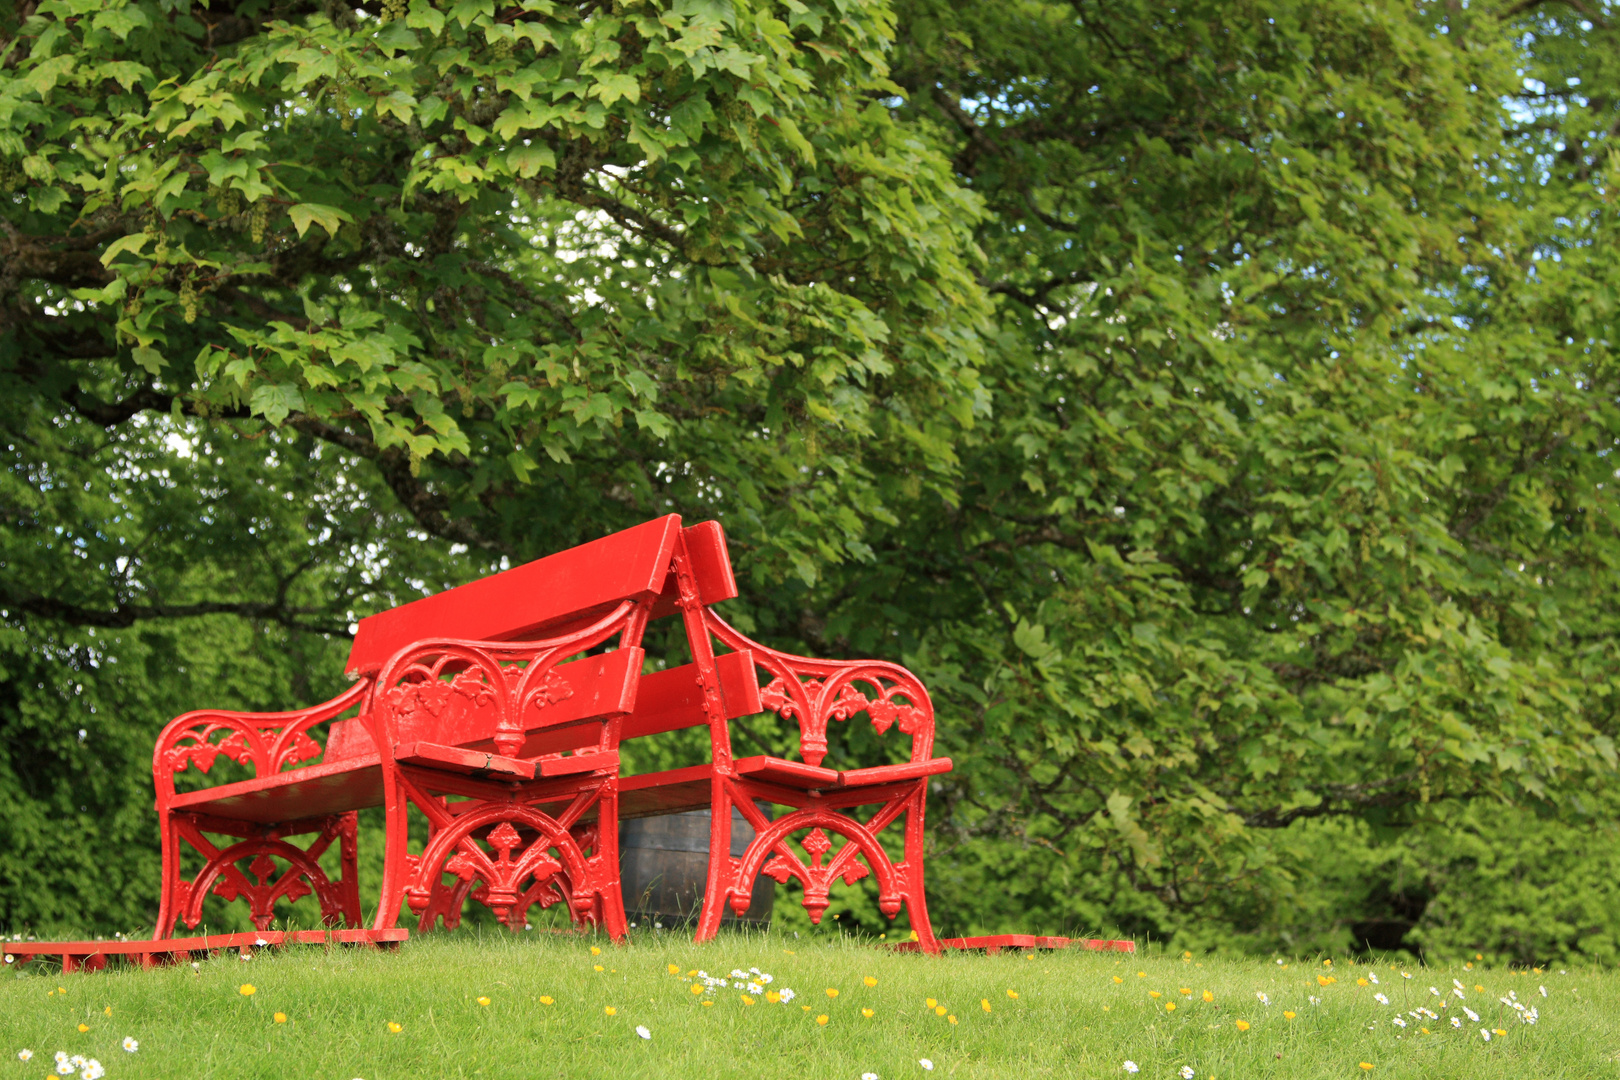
496	711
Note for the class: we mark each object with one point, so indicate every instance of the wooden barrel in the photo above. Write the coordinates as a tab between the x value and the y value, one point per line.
664	866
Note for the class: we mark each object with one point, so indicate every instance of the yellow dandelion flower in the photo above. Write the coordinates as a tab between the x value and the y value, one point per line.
1327	963
1154	994
867	1013
692	972
1243	1025
746	1000
1187	955
674	969
247	989
952	1019
984	1003
1478	987
1186	991
696	988
484	1001
107	1011
708	1004
595	951
599	967
1013	994
84	1027
1424	1030
822	1019
1208	996
831	992
806	1008
1169	1006
1141	974
1362	982
930	1002
610	1010
1118	979
772	996
869	981
281	1018
1499	1031
1325	980
547	1000
61	989
939	1010
1367	1065
393	1028
1288	1015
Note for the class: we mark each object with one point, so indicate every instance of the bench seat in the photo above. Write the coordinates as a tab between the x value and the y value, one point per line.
794	783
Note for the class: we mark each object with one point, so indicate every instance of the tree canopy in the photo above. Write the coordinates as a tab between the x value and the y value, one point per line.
1213	403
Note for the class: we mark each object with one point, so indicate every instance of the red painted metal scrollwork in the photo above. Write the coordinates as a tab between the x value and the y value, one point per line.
812	692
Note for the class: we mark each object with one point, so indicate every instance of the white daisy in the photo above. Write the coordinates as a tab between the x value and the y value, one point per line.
643	1032
1543	990
1433	991
78	1061
61	1056
1456	1021
1186	1072
1130	1067
1485	1034
869	1076
130	1044
925	1063
92	1070
65	1068
787	995
1372	977
1261	994
1399	1021
1381	999
25	1055
756	988
1471	1014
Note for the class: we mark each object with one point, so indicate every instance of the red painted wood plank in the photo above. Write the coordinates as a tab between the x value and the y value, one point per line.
789	773
521	602
328	788
672	699
889	774
710	563
466	762
578	763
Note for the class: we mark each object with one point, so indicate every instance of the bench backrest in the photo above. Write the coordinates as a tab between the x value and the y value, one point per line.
532	600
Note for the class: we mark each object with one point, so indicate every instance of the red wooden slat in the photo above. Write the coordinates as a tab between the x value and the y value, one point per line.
790	773
298	793
578	763
672	699
521	602
710	563
889	774
466	762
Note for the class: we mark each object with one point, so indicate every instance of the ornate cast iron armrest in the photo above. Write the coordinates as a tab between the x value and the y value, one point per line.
506	676
268	741
814	691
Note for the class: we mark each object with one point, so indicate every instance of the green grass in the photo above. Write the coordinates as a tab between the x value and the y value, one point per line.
1070	1018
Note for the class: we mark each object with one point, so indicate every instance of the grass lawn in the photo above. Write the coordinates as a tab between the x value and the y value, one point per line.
543	1005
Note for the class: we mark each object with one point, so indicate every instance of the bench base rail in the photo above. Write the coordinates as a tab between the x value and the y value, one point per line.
93	955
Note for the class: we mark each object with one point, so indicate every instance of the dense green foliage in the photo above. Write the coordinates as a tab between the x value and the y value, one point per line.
1213	404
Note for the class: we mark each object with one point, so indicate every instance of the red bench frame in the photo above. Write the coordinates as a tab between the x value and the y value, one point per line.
485	710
